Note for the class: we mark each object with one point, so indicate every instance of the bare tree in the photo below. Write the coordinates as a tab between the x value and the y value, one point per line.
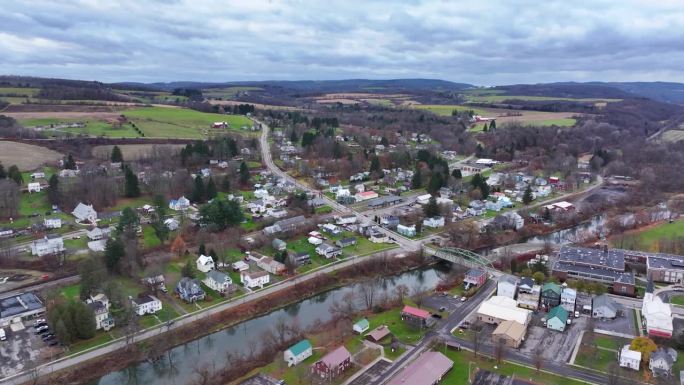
477	336
500	350
366	291
418	295
402	291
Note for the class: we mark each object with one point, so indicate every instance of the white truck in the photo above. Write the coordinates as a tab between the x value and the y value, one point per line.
3	336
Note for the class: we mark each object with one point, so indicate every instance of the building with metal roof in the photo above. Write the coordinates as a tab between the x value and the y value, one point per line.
601	265
20	306
428	369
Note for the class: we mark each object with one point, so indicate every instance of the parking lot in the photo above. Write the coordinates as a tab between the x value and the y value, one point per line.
438	301
622	324
21	348
373	373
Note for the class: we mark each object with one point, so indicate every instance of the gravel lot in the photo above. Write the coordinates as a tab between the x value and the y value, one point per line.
19	350
557	346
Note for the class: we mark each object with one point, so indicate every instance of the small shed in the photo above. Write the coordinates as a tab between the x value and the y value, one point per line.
361	326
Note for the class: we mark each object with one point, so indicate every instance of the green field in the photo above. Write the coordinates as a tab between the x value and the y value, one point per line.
677	300
226	93
493	98
399	329
19	91
648	239
93	127
446	110
161	122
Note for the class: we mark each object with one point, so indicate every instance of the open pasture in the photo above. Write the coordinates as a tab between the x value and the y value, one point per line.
26	156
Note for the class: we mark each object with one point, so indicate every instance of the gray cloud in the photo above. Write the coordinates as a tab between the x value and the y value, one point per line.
481	42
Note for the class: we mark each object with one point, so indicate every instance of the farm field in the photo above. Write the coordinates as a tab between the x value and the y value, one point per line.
563	119
161	122
26	156
131	151
673	135
93	127
227	92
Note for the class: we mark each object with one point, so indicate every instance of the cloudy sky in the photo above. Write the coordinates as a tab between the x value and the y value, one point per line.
483	42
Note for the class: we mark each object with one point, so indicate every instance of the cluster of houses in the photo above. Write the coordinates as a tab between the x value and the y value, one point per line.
661	362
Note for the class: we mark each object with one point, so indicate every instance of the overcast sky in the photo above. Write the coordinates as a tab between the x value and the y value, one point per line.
483	42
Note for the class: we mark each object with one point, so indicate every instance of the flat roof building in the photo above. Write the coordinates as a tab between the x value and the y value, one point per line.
428	369
20	306
602	265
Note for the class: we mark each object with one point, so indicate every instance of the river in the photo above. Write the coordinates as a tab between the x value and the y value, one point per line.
212	349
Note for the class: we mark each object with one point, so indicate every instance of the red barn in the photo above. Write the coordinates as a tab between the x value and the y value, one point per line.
333	364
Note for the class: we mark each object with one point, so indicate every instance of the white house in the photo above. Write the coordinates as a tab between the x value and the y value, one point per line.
85	213
434	222
218	281
34	187
239	266
37	175
179	204
298	352
507	286
260	193
52	223
407	231
171	224
342	192
345	219
252	279
630	358
99	304
97	246
315	241
99	233
50	244
328	251
423	199
146	304
205	263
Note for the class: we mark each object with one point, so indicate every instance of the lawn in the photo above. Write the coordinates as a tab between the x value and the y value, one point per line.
677	300
20	91
610	342
100	338
491	98
599	359
399	329
162	122
71	291
93	127
364	246
34	203
464	360
150	239
648	239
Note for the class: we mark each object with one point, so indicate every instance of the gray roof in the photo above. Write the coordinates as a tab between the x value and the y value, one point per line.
261	379
527	281
596	272
509	278
613	259
216	276
669	355
146	298
19	304
386	200
604	300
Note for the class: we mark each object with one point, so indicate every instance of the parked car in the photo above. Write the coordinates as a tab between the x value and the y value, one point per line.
464	298
53	343
437	315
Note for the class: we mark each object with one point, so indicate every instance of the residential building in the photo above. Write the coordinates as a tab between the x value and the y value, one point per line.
218	281
378	334
315	241
298	352
361	326
662	361
526	284
239	266
550	295
629	358
189	290
428	369
601	265
434	222
6	231
50	244
252	279
417	318
346	242
365	195
172	224
657	314
33	187
328	251
271	265
146	304
376	236
300	258
345	219
557	319
568	299
604	307
97	246
511	332
279	244
507	286
331	229
286	225
390	221
474	278
205	263
99	304
407	231
529	299
498	309
423	199
85	213
333	364
52	223
37	175
179	204
98	233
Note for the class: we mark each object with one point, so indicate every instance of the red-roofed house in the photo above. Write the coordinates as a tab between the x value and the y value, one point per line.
333	363
416	317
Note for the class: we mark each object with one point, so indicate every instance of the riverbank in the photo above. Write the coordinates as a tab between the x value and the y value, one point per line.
156	346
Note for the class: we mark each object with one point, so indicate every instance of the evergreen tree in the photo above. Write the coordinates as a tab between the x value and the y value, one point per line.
202	249
211	189
308	139
492	125
225	184
62	332
417	180
293	136
114	251
128	222
132	188
53	190
435	183
375	164
159	205
188	270
244	173
337	150
70	163
484	128
198	190
431	209
117	156
14	174
457	174
384	141
527	196
84	320
221	214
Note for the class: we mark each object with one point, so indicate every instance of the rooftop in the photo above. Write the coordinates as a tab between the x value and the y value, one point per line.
609	259
390	199
16	305
415	312
427	369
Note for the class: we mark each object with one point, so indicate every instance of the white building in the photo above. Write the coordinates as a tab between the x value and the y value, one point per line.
85	213
252	279
50	244
171	224
99	233
218	281
345	219
568	298
657	314
205	263
99	304
499	308
146	304
507	286
434	222
407	231
423	199
630	358
33	187
52	223
179	204
298	352
315	241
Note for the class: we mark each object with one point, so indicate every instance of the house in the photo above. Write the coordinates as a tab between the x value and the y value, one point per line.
526	284
333	364
514	219
428	369
276	213
379	333
376	236
52	223
205	263
630	358
550	295
657	314
33	187
604	307
317	202
252	279
384	201
423	199
239	266
331	229
507	286
557	319
172	224
415	317
300	258
270	265
298	352
97	246
345	219
511	332
98	233
286	225
407	231
498	309
278	244
390	221
341	193
37	175
99	305
50	244
365	195
361	326
261	193
568	298
146	304
189	290
85	213
475	278
529	299
662	361
328	251
218	281
345	242
179	204
434	222
315	241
